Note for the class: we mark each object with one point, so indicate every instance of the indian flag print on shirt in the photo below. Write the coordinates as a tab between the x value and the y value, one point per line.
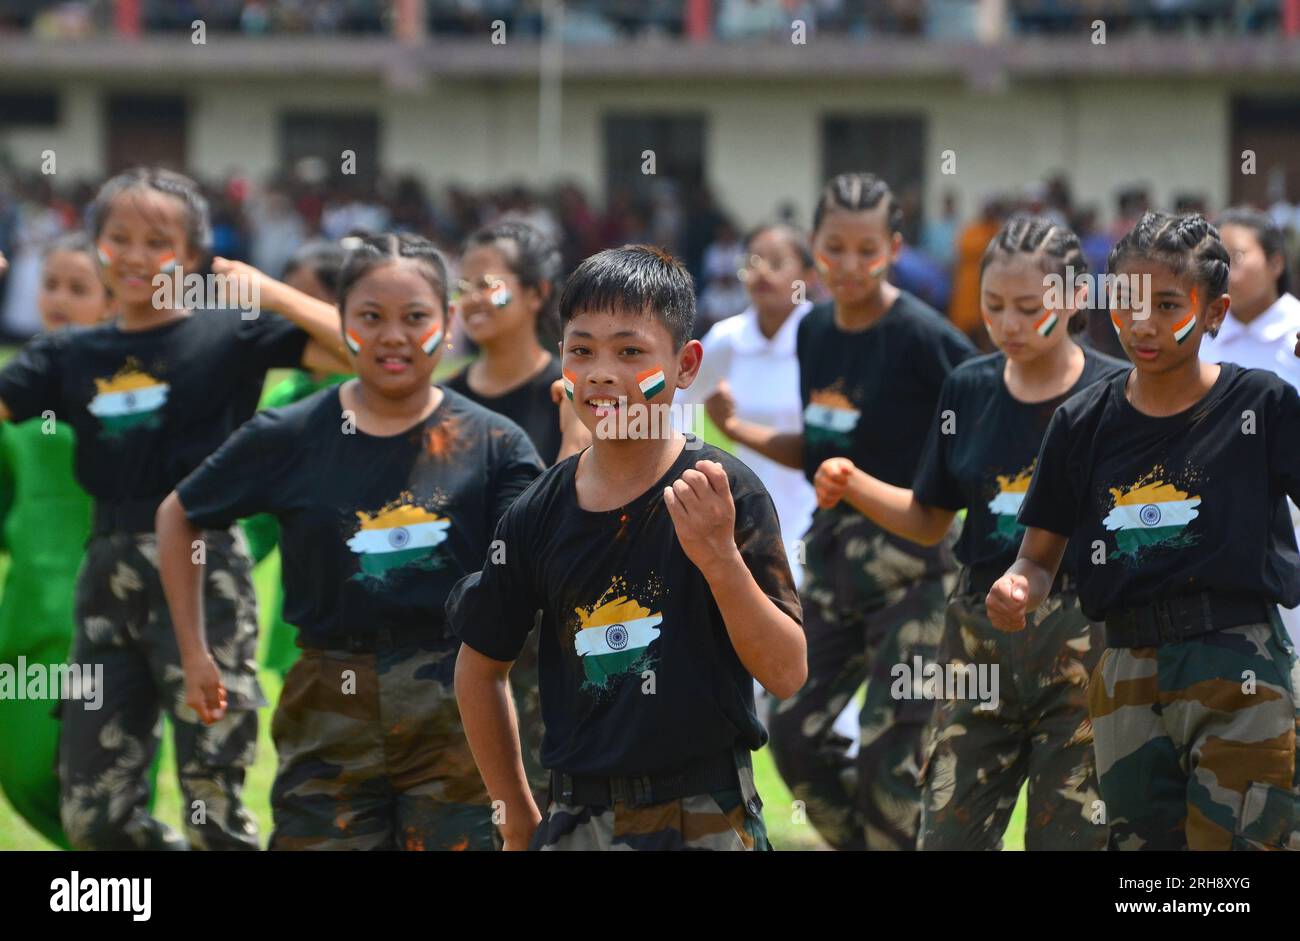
830	416
131	399
651	382
613	638
401	535
1005	507
1150	514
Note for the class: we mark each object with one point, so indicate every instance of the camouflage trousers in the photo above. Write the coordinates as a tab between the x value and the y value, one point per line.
373	756
713	821
1036	731
1196	741
870	602
123	626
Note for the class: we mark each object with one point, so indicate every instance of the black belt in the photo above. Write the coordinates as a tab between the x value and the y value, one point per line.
133	515
384	638
1175	619
978	579
728	771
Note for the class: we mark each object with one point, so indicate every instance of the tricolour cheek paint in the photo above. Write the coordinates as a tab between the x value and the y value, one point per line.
569	380
1046	323
1183	329
878	268
500	295
353	341
167	262
431	341
651	382
1114	320
823	265
105	254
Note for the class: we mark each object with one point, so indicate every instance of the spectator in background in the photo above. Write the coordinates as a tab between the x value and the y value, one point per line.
964	310
917	273
277	230
749	19
723	295
939	236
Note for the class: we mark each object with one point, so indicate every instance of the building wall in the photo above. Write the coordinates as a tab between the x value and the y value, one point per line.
762	139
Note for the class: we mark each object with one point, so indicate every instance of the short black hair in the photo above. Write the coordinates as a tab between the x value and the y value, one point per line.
1183	243
375	250
1055	245
858	192
640	280
534	258
198	223
322	258
1267	232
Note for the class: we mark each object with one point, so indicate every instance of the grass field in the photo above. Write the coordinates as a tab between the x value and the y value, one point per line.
785	832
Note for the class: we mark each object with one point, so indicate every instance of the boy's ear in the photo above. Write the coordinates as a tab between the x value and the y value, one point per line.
895	245
689	358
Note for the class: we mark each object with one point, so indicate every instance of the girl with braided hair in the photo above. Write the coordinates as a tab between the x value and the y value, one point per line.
1172	479
387	490
871	364
1031	725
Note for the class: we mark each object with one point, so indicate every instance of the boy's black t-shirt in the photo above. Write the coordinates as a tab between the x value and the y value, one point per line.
528	405
637	672
981	453
374	531
148	406
869	395
1182	504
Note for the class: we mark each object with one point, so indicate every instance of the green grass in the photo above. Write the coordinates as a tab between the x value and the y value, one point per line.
783	830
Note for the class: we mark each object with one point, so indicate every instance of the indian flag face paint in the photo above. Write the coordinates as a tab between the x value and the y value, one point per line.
1149	515
878	267
500	295
614	637
823	263
131	399
1115	322
1183	329
167	262
105	254
398	536
431	341
353	341
1046	323
651	382
569	380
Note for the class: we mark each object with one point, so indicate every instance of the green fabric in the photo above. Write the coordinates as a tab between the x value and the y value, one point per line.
46	522
263	532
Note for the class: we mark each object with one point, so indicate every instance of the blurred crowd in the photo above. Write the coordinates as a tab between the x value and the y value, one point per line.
597	21
265	222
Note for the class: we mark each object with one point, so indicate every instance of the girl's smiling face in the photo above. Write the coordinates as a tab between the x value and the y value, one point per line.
853	251
71	292
1179	311
394	315
143	235
1013	300
492	303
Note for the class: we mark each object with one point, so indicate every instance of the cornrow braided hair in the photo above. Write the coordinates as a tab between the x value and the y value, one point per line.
857	192
1056	246
369	252
198	225
1183	243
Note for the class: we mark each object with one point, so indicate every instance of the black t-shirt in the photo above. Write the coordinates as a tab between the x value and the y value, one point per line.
1182	504
637	671
374	531
869	395
528	405
984	461
148	406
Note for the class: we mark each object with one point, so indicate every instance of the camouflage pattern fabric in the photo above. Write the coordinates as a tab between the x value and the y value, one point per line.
714	821
123	625
1038	731
372	755
870	601
1196	741
528	711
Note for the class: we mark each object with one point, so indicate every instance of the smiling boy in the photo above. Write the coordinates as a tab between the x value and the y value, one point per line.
664	591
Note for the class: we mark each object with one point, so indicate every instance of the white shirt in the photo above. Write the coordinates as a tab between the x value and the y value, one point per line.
1267	342
764	378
